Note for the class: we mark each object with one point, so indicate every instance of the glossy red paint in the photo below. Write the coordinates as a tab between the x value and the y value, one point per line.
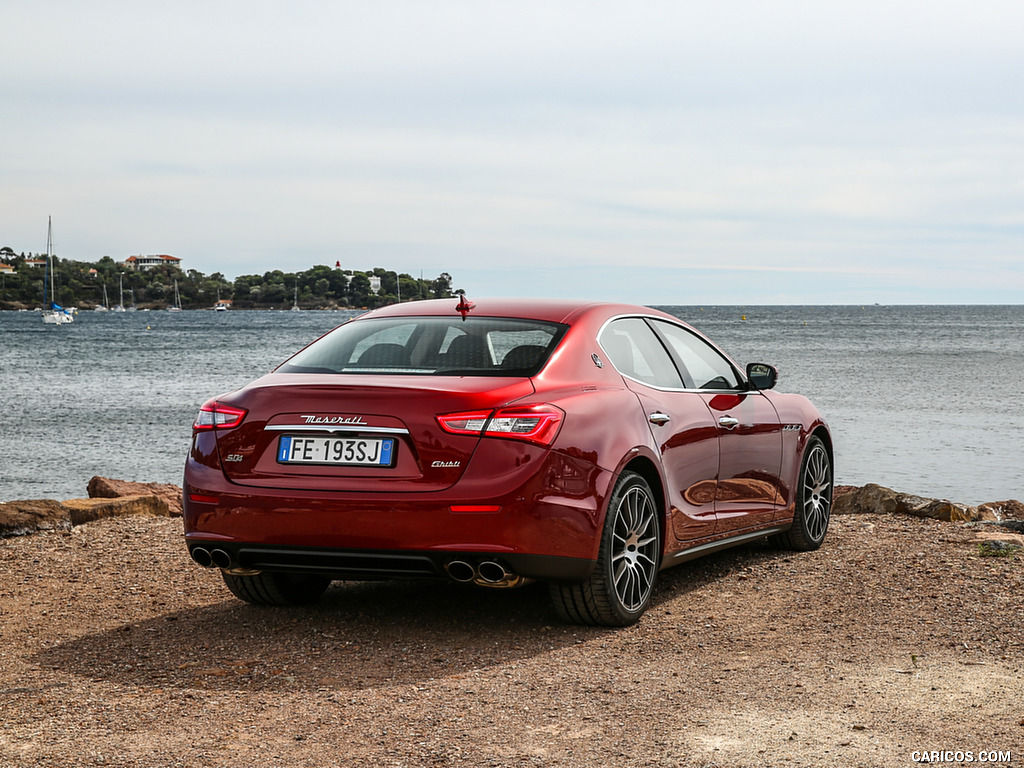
720	464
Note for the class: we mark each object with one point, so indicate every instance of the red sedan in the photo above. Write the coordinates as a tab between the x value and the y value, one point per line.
584	445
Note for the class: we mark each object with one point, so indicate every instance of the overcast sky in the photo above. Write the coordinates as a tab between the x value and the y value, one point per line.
654	152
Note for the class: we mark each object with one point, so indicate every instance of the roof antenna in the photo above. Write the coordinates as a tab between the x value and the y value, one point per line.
464	306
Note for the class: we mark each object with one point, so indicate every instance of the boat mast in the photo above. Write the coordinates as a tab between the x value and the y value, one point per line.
49	254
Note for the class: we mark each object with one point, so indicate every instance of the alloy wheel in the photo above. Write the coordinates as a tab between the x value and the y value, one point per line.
817	492
634	552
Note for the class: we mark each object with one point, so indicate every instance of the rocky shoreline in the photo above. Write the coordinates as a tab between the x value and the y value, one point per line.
107	498
120	498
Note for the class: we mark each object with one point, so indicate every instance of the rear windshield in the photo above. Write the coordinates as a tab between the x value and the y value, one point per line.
432	346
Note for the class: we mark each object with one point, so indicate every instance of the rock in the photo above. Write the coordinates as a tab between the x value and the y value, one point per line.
842	490
86	510
871	498
1005	510
19	518
877	499
939	509
106	488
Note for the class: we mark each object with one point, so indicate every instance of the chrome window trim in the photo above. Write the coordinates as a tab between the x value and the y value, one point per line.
695	390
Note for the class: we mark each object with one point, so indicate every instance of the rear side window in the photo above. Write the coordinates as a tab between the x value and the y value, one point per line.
434	346
636	352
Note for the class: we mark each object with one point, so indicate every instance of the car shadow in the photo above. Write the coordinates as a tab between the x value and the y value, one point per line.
359	635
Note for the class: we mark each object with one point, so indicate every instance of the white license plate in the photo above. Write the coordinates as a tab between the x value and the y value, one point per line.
347	451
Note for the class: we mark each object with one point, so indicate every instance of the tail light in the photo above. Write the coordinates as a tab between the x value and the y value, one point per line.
214	415
534	423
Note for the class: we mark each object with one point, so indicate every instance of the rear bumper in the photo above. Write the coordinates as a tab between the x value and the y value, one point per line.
547	526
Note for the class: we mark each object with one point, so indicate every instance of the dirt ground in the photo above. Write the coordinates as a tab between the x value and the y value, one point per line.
896	637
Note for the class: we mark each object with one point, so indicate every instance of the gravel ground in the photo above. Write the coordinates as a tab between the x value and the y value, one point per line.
897	636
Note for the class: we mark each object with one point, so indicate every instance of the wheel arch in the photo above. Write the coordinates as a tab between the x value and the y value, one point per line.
821	432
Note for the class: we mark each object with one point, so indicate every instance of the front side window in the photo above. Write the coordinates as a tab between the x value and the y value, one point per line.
704	366
434	346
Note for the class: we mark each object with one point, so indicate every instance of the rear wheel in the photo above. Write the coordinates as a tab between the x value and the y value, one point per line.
619	590
276	588
813	500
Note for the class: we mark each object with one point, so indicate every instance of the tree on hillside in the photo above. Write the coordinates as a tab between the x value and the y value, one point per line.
441	288
359	290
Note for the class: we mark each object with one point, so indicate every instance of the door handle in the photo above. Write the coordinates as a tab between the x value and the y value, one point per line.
659	418
729	422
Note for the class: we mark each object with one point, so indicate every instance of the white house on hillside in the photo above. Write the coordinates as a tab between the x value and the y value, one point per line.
148	262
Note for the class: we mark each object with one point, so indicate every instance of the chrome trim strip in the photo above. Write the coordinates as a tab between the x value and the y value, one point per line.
334	428
692	553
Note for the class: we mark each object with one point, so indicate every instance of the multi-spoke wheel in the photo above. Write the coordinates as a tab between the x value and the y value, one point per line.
618	591
813	499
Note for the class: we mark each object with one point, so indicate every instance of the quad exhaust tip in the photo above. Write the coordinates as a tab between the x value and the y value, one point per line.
487	573
217	558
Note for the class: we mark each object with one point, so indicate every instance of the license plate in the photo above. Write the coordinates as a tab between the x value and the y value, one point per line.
344	451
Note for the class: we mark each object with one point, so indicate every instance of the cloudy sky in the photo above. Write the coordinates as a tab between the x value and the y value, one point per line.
656	152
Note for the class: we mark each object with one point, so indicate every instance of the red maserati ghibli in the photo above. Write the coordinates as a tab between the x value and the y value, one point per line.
583	445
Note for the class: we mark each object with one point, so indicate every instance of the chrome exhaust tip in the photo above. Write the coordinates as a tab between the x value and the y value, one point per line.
460	571
496	575
201	556
492	572
220	558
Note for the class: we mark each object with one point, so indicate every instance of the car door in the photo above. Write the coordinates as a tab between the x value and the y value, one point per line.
680	422
748	491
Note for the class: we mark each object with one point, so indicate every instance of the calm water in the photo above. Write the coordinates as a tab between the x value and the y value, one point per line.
922	399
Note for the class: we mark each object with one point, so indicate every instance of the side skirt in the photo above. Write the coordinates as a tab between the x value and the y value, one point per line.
692	553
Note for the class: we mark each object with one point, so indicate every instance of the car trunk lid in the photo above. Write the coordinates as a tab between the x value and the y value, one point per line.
356	433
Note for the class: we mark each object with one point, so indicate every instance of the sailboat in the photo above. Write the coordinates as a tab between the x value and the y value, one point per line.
103	307
120	295
295	304
220	306
177	299
56	314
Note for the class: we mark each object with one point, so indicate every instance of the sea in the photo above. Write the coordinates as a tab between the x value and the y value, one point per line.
922	399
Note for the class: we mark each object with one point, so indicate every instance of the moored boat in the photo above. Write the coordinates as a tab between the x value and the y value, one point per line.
54	314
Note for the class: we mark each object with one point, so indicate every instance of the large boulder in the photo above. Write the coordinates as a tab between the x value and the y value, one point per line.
86	510
107	488
877	499
19	518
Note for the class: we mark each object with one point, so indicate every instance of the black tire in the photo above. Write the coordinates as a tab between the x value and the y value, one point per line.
813	500
276	588
620	588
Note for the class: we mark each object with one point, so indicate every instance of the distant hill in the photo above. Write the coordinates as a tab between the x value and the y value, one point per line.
81	284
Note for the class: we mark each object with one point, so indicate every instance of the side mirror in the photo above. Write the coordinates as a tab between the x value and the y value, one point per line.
762	375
